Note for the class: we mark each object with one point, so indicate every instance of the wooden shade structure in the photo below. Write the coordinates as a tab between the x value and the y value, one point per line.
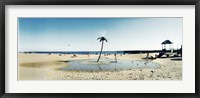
165	43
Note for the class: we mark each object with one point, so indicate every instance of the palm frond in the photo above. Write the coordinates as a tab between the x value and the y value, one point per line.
106	40
98	38
102	39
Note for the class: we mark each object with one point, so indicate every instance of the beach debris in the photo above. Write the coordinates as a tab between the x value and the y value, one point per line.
158	76
146	63
151	75
74	55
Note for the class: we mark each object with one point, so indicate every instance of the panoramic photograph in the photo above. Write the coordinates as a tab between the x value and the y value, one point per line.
129	48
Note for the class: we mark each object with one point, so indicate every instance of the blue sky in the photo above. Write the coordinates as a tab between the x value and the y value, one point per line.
80	34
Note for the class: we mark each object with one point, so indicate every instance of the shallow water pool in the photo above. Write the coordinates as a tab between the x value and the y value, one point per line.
106	64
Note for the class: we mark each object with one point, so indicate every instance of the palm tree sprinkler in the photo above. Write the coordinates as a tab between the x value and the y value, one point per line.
102	39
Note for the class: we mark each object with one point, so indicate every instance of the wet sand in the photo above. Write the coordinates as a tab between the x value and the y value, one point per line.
46	67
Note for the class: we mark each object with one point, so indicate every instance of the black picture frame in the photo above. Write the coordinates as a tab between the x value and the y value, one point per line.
3	3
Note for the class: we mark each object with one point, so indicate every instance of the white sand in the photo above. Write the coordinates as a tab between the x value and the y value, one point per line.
30	70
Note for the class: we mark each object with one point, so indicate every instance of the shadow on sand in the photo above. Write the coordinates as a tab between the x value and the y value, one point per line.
44	64
63	61
176	59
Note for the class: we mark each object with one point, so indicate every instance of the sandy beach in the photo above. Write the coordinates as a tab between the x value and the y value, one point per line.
47	67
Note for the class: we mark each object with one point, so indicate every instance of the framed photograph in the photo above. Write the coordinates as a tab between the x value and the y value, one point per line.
100	48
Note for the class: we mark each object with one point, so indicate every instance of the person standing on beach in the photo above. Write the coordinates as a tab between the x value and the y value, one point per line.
115	58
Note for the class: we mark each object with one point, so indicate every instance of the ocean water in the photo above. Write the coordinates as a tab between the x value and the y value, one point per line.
75	52
95	52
